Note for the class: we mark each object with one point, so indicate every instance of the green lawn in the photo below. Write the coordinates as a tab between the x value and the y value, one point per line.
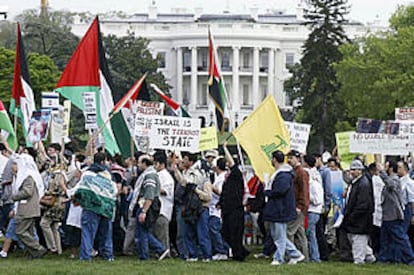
18	264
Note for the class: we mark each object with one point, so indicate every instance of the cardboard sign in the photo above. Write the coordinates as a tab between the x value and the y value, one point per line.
89	110
342	142
38	125
168	133
208	138
299	135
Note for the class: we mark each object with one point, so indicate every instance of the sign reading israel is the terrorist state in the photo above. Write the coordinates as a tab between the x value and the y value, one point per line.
168	133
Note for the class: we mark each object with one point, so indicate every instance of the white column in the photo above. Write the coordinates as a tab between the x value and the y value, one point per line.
235	95
271	72
278	92
179	88
194	92
256	93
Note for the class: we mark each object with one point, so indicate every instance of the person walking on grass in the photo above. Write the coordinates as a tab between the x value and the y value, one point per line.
281	209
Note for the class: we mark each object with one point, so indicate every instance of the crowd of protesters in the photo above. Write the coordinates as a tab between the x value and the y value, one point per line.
203	207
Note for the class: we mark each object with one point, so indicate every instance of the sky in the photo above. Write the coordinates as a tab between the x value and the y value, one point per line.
365	11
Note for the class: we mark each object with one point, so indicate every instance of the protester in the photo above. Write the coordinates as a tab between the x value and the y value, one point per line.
296	229
377	187
98	207
28	188
358	211
144	203
232	209
195	207
281	209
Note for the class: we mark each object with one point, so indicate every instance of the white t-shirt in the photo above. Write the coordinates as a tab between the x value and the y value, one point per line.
377	186
218	184
167	201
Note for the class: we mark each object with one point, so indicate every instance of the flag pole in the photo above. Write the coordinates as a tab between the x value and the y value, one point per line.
15	121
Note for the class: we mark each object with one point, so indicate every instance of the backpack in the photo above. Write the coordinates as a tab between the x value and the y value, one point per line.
315	187
192	205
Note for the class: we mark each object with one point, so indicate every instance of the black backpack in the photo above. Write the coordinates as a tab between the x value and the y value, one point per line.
192	205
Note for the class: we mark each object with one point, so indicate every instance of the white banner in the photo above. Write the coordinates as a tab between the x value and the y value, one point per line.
299	135
406	113
89	110
167	132
393	145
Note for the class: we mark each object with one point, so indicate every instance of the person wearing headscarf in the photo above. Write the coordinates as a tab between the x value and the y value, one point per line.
28	189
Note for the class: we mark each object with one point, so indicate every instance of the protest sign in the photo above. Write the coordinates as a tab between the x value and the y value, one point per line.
208	138
150	108
56	127
89	110
38	125
299	135
393	145
50	100
404	114
67	105
365	125
342	143
172	133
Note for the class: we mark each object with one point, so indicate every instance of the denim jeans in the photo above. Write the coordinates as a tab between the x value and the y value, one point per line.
93	223
278	231
217	242
199	231
394	243
313	219
407	216
180	239
145	240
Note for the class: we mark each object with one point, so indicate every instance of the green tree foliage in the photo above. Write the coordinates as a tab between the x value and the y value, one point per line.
49	34
128	59
377	72
314	83
7	35
43	74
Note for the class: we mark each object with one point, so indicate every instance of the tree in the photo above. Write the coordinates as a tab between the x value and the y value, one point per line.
377	72
43	74
128	59
49	34
8	35
314	83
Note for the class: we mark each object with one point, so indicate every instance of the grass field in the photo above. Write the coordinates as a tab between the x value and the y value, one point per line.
51	264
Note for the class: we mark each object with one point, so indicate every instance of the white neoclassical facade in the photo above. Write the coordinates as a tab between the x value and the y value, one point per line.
254	51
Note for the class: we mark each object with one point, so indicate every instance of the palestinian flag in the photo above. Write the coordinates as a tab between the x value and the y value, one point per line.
217	90
87	71
122	119
6	125
22	102
174	106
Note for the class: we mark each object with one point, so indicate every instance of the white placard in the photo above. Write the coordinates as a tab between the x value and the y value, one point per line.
67	106
167	132
406	113
57	123
50	100
299	135
393	145
89	110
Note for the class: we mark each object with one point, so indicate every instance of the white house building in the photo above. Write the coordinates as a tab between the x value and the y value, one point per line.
254	51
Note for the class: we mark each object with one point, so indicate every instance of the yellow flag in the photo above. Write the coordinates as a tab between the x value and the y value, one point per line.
263	132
